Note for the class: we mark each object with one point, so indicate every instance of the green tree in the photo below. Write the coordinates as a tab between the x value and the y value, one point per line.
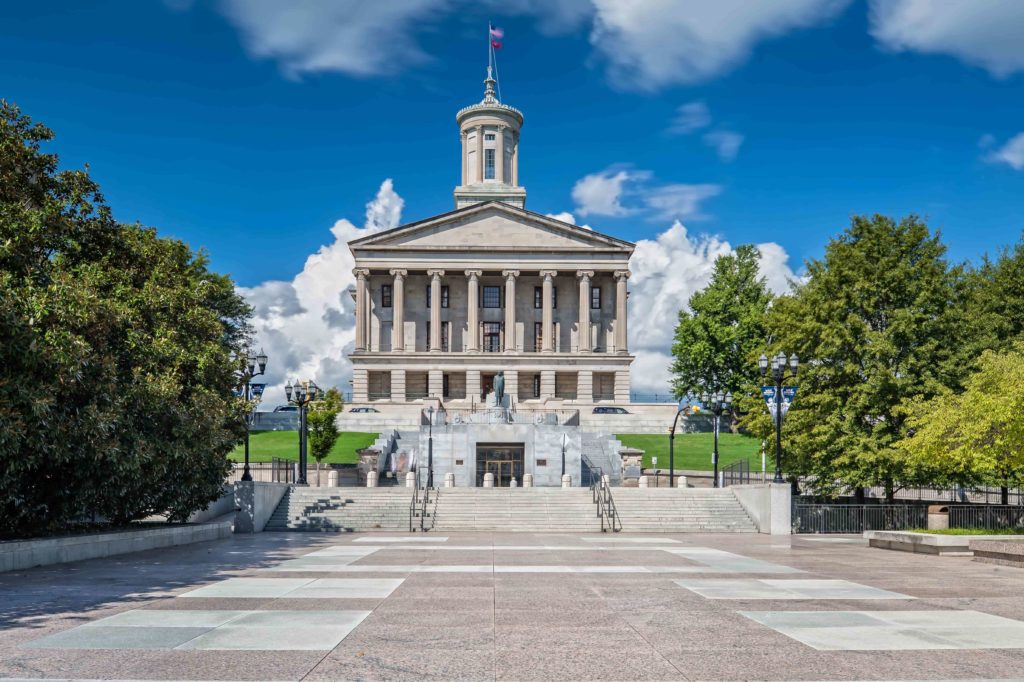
878	323
115	379
323	426
723	329
977	436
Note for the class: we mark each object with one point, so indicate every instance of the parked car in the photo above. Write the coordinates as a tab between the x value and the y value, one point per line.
364	410
286	408
610	410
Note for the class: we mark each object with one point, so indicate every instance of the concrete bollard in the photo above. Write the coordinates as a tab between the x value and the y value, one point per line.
643	482
449	480
512	483
527	480
488	480
680	481
332	478
371	479
605	481
566	481
410	479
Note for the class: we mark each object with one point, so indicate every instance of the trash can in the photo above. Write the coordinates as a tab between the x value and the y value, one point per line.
938	517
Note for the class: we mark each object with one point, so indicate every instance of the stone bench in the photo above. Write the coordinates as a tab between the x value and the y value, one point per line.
926	543
1003	552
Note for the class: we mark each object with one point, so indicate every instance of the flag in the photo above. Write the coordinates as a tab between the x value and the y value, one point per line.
496	35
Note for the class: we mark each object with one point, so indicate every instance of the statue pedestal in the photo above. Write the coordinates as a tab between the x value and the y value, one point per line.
497	413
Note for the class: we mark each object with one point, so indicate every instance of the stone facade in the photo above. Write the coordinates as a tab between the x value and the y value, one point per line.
445	303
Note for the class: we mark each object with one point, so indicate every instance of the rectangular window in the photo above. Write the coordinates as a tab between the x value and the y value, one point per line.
538	336
489	136
444	385
488	164
554	297
595	298
536	392
444	296
385	296
492	297
538	297
492	337
444	336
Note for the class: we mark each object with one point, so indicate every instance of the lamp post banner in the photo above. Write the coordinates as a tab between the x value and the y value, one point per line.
257	390
788	394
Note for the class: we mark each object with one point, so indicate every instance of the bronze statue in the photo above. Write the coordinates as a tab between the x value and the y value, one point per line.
499	388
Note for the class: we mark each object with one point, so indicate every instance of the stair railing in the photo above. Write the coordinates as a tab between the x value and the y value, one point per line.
601	494
414	503
611	513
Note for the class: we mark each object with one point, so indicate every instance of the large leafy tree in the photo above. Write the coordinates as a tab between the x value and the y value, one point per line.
115	378
878	323
977	436
724	328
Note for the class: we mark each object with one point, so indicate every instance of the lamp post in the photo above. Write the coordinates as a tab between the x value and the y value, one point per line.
671	441
716	404
246	375
778	375
302	394
430	446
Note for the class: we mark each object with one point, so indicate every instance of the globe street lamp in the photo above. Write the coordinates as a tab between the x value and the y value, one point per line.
778	375
430	446
302	394
245	377
716	403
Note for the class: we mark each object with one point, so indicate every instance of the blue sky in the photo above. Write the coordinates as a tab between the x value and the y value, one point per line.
248	130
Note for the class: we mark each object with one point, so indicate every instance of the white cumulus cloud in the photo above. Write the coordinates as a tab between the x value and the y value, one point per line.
1011	153
307	325
651	44
618	191
679	200
689	118
602	193
985	33
725	142
567	217
668	270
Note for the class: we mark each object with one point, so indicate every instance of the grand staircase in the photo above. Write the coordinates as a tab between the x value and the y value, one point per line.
342	509
529	510
676	510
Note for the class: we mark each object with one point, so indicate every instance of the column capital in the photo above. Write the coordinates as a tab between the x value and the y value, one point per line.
622	274
548	274
584	274
437	274
509	274
361	273
473	274
399	274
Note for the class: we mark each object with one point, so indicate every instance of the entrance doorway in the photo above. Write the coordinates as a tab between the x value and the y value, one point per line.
503	460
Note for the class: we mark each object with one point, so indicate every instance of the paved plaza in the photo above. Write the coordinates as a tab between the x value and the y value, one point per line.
483	606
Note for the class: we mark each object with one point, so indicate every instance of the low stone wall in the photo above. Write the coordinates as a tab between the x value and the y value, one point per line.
1002	552
769	506
256	501
926	543
21	554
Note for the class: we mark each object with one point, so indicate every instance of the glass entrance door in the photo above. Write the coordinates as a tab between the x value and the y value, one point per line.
504	461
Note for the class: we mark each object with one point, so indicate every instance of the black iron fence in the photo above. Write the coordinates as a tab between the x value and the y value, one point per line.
988	516
857	518
738	473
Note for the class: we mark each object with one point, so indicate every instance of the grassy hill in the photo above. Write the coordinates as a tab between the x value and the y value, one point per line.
264	445
693	450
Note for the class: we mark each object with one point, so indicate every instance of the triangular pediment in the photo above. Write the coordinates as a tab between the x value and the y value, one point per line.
491	226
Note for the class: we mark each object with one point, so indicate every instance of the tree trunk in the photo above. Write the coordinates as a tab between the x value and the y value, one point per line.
1004	495
858	495
890	491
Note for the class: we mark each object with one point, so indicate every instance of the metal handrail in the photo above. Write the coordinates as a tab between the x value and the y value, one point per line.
423	509
414	502
610	510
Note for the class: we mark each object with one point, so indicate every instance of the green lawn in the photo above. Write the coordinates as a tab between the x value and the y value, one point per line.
263	445
693	450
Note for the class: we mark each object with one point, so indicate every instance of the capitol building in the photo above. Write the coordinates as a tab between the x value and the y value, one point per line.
444	304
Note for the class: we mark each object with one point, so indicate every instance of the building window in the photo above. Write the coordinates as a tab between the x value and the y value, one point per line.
538	297
444	385
595	298
444	336
385	296
492	337
538	336
489	137
444	296
492	297
536	385
488	164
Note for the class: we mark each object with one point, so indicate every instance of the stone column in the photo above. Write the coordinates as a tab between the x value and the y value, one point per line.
547	328
515	160
584	335
361	275
435	310
398	303
499	155
479	154
621	313
473	312
510	310
462	138
398	385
